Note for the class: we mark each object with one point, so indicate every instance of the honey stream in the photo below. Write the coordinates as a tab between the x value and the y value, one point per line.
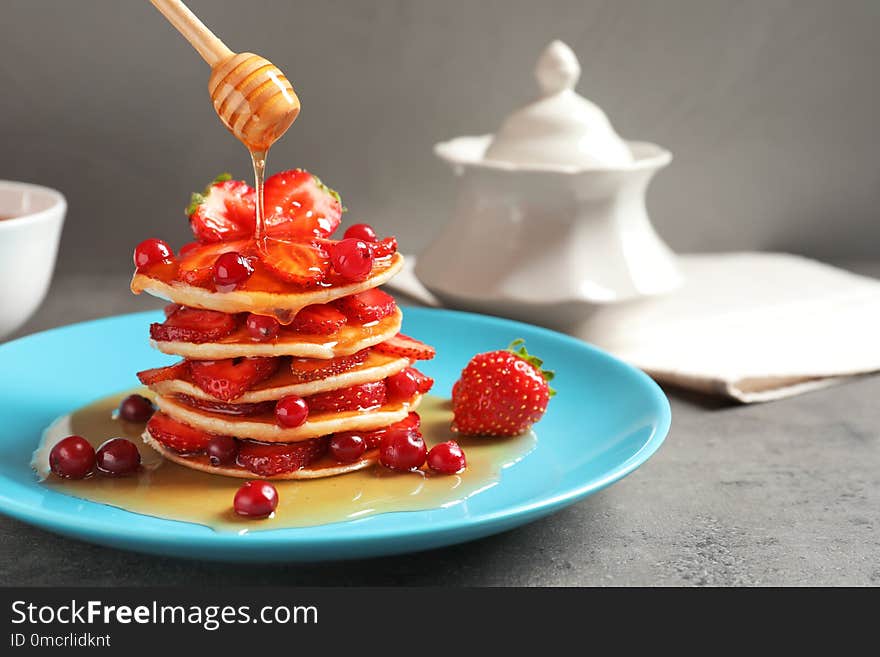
167	490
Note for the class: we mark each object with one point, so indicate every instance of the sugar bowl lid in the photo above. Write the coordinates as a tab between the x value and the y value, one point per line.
562	128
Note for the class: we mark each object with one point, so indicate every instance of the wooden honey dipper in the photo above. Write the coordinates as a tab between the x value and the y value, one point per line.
251	96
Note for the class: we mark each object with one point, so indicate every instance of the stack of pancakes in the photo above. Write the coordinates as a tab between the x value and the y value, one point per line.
229	381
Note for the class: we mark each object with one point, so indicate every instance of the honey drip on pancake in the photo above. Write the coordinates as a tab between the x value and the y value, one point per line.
166	490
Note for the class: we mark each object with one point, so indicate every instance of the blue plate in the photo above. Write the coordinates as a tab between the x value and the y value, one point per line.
607	419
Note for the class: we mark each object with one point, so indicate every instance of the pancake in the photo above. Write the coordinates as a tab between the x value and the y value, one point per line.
281	305
314	471
377	367
265	429
346	341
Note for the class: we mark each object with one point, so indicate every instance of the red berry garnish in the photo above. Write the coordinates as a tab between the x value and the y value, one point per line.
136	408
256	499
291	411
501	393
313	369
157	374
176	435
72	458
118	456
270	459
298	205
402	449
231	269
352	259
354	398
151	252
319	318
347	447
363	232
447	458
222	450
194	325
403	345
230	378
402	385
368	306
262	327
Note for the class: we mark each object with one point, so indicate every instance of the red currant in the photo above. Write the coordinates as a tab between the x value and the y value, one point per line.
151	252
447	458
256	499
231	269
347	447
136	408
363	232
402	449
352	259
222	450
72	458
402	385
118	456
291	411
262	327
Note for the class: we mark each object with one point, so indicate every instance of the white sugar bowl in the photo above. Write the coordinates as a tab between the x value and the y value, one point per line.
550	221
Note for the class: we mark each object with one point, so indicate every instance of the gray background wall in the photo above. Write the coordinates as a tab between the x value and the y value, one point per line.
770	107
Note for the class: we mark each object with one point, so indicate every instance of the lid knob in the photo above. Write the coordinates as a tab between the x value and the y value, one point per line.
558	69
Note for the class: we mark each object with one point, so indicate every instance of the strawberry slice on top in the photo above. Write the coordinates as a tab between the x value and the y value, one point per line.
230	378
197	262
403	345
368	306
194	325
301	263
298	205
225	210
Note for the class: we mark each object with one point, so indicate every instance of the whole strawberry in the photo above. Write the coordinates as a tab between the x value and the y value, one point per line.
501	393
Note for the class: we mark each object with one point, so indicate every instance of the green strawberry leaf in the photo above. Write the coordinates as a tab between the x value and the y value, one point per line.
518	348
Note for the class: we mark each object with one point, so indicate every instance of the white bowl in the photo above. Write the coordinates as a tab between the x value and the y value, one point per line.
28	249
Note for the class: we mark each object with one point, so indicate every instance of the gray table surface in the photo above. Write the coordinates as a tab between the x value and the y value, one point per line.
786	493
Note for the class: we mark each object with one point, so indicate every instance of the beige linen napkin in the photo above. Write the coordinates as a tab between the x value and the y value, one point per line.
751	326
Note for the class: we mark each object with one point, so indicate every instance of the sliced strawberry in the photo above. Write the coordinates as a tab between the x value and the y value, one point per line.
176	371
423	381
230	378
269	459
374	438
302	263
315	369
369	306
194	325
228	409
355	398
403	345
225	211
197	265
170	309
320	318
299	205
383	248
176	435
